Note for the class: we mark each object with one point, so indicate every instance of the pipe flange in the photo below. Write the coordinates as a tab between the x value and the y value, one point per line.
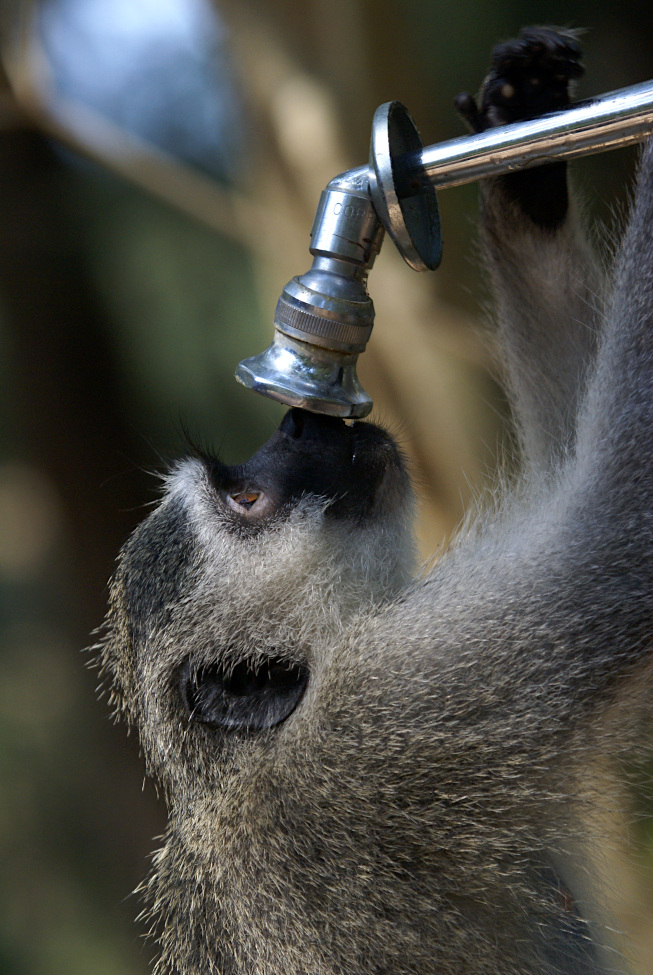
406	205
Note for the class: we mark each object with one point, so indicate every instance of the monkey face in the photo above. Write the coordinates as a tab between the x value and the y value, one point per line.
227	593
357	471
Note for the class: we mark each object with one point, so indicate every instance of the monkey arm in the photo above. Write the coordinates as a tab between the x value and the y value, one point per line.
553	597
531	640
549	305
546	280
615	430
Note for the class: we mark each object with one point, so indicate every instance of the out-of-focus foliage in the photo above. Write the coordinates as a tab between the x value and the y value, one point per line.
121	319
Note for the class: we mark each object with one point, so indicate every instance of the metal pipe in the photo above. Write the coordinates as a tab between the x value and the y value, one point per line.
615	119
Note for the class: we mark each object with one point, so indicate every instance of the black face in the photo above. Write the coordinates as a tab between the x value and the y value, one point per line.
309	454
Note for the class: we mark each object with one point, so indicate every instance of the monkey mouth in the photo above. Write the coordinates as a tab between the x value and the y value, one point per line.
348	464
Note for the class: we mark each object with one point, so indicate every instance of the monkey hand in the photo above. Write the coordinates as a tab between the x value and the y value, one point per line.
530	76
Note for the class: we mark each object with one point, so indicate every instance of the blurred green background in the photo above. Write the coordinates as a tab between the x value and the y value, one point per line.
122	316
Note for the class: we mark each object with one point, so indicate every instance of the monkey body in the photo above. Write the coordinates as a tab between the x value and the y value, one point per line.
372	772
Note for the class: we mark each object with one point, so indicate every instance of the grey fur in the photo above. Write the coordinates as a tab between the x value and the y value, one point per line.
434	803
548	322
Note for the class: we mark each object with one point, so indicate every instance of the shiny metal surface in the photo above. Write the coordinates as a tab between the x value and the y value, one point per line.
346	224
325	316
412	219
328	306
618	118
298	374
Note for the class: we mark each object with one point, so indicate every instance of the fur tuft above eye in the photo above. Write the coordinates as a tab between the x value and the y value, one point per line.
246	697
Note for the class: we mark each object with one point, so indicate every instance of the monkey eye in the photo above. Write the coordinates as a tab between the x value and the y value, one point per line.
245	697
249	502
244	498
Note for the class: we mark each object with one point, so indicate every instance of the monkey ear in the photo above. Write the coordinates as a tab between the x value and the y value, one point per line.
246	697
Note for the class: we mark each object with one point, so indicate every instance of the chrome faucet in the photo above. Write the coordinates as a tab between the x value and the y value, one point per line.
324	317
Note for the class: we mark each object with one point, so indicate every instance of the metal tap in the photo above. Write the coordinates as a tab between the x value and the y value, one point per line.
324	317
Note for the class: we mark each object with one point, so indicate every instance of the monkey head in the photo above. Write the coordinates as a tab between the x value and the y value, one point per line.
224	593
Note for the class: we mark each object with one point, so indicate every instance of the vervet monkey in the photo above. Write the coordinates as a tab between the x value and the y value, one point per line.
369	770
